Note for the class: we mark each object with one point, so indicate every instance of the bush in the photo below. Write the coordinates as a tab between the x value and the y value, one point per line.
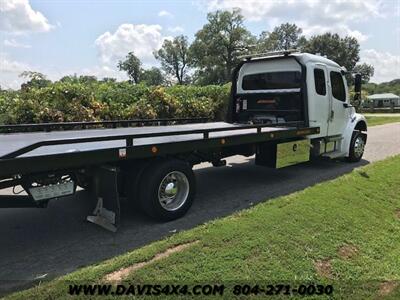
202	101
67	101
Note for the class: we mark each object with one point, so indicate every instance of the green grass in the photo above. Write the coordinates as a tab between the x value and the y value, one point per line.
380	120
280	241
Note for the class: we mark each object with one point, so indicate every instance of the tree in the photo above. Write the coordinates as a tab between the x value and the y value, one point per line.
152	76
174	57
344	51
87	79
366	71
69	78
132	66
218	45
283	37
35	79
108	80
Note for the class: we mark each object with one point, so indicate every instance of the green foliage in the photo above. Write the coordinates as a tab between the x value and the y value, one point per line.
344	51
174	57
283	37
35	80
132	66
152	76
218	45
60	102
202	101
380	120
6	102
71	100
165	105
366	71
385	87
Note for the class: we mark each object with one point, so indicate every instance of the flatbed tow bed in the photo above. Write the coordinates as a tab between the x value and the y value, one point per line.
23	153
31	157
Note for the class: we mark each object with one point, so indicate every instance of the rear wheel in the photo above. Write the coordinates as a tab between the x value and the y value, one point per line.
167	189
357	146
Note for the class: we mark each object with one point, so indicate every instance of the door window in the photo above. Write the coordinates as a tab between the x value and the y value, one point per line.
338	90
319	79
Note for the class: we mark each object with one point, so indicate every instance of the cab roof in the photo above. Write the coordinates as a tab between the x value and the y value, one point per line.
304	58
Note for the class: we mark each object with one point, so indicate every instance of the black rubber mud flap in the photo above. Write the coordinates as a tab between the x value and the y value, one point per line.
107	211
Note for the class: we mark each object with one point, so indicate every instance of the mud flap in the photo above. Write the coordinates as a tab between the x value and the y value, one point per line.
107	211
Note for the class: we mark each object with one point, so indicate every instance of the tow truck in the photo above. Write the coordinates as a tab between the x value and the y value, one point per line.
285	108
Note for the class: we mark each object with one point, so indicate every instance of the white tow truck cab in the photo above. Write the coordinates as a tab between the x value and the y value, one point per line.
303	90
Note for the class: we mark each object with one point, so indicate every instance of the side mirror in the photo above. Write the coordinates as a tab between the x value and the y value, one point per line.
357	83
357	87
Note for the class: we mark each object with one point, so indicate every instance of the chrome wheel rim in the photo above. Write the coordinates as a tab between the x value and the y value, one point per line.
359	146
173	191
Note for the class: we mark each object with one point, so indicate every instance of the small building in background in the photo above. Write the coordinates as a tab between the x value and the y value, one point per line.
383	100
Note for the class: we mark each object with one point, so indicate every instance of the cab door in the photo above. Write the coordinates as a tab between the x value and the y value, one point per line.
319	97
339	114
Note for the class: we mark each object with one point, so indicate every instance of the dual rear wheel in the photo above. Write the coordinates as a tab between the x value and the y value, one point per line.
165	189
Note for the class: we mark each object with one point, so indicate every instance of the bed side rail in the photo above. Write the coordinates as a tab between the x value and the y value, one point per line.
129	139
13	128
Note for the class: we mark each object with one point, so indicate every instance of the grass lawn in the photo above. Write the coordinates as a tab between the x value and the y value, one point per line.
344	232
380	120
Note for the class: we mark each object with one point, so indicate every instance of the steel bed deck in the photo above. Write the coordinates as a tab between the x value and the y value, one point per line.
13	142
41	151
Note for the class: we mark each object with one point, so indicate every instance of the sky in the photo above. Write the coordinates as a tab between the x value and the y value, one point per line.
88	37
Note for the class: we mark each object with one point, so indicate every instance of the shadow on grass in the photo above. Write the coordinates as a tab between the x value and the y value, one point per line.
46	243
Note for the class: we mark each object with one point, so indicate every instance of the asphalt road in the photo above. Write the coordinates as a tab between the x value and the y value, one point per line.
45	243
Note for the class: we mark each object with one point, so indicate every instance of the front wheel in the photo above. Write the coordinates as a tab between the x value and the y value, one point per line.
357	146
167	189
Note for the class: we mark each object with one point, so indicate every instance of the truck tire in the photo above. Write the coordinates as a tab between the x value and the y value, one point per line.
357	145
167	189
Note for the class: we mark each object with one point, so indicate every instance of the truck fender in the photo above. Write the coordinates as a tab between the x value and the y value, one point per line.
356	122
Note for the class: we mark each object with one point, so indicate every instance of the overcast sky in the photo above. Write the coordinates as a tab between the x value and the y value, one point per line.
63	37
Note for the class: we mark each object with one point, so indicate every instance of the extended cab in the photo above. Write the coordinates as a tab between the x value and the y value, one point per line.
305	89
